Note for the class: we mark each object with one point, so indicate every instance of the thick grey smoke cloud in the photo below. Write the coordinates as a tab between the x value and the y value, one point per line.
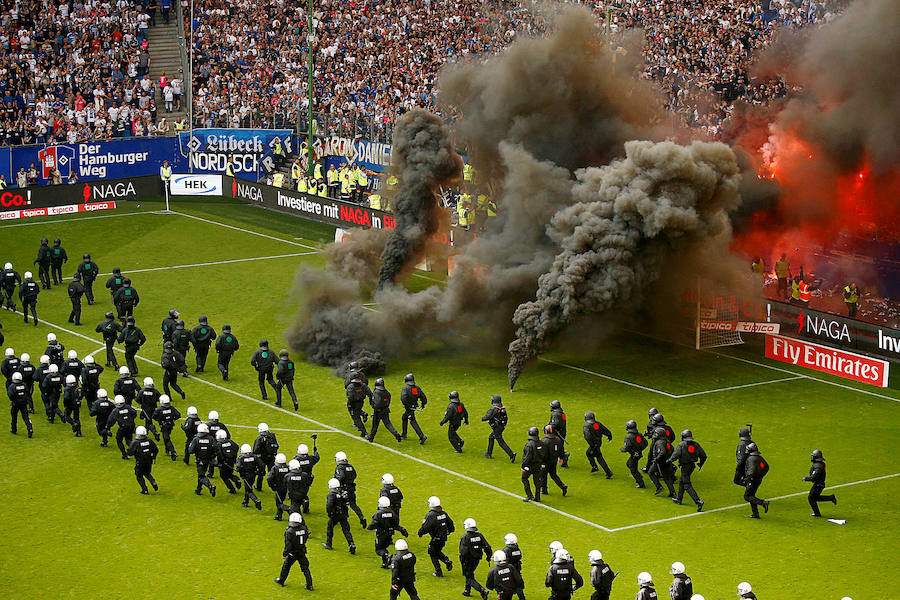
629	217
423	159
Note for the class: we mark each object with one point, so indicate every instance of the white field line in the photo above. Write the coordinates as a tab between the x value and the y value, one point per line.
29	223
100	349
734	506
217	262
622	381
251	232
281	429
352	436
737	387
804	376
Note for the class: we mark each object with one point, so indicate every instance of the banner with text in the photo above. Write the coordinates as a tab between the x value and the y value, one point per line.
374	156
848	365
190	184
251	150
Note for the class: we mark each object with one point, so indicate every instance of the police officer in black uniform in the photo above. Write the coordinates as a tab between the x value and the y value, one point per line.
497	418
533	457
126	299
28	294
472	546
513	553
58	256
189	427
354	371
27	370
307	462
740	455
410	397
168	325
90	380
346	474
284	373
660	421
384	523
88	270
297	483
9	365
114	283
504	578
51	388
558	422
338	510
181	338
392	493
682	588
148	399
562	578
403	572
634	446
43	263
660	468
204	448
265	447
126	386
817	477
110	329
553	454
72	404
226	346
18	395
602	576
166	415
202	337
357	392
594	432
76	291
144	451
55	351
275	479
295	538
687	454
648	433
263	360
133	338
9	280
249	467
72	366
101	409
124	416
755	468
454	416
172	362
380	401
437	524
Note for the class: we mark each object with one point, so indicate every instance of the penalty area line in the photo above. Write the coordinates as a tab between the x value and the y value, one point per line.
128	214
734	506
352	436
216	262
281	429
595	373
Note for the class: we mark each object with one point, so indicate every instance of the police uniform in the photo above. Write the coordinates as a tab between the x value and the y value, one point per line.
226	346
124	416
384	523
127	387
646	592
497	418
115	283
126	300
133	338
275	479
90	382
181	339
594	432
168	325
101	409
560	426
43	263
88	270
56	351
506	580
148	400
265	447
532	465
660	468
740	455
189	427
263	360
634	446
202	337
472	546
9	366
144	451
438	524
392	493
403	575
687	454
76	291
357	392
553	453
9	279
755	468
249	466
27	370
297	484
563	580
410	397
72	406
284	373
172	363
51	388
295	538
204	448
166	415
602	577
307	462
338	511
380	401
682	587
18	395
455	415
28	294
346	474
817	477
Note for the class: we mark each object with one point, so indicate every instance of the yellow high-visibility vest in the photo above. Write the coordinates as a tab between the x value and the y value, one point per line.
301	185
229	170
165	173
363	180
333	176
492	208
462	214
296	171
277	149
851	295
375	201
317	172
392	181
179	125
323	189
278	179
468	171
345	186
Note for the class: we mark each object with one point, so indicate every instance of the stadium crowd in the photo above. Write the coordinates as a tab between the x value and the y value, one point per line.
79	70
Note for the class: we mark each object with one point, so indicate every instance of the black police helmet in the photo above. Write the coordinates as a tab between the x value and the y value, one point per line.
555	404
168	345
126	282
109	315
651	412
454	395
86	256
117	271
409	378
354	365
44	241
533	432
658	418
379	382
686	434
744	433
263	343
202	319
659	432
631	425
283	353
496	399
226	327
129	320
589	416
77	276
57	241
173	313
817	454
179	323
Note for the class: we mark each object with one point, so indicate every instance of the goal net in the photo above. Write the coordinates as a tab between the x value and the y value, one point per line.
718	320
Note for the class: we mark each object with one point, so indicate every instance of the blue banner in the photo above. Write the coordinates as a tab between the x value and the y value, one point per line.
373	156
209	150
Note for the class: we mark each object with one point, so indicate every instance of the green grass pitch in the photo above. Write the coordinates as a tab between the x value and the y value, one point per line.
74	525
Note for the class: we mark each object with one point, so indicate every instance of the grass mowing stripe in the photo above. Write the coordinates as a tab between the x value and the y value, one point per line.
737	387
69	220
217	262
622	381
351	435
733	506
281	429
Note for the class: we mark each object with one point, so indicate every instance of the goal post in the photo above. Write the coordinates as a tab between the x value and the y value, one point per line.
717	322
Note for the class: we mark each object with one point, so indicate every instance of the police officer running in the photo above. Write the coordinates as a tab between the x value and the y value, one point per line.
553	455
265	447
392	493
380	401
126	299
110	329
126	386
562	578
172	362
295	538
43	263
18	395
88	270
454	416
817	477
76	291
756	467
504	578
58	256
9	279
307	463
403	572
594	431
181	338
166	415
263	361
338	510
189	427
276	482
687	454
558	422
438	524
602	576
249	467
26	369
133	338
28	294
682	588
203	447
472	546
202	337
72	404
284	373
148	399
101	409
346	474
634	446
660	468
144	451
533	465
740	455
384	523
297	483
226	346
497	418
115	283
124	416
168	325
51	388
357	392
410	397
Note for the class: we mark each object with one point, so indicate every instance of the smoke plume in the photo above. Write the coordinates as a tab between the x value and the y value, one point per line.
628	219
423	159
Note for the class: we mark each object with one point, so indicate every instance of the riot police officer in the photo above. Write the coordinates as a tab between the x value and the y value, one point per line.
55	351
110	329
9	280
307	463
181	338
101	409
28	294
602	576
403	572
265	447
90	379
126	299
740	455
504	578
594	431
295	538
472	546
27	371
166	415
249	467
562	578
76	291
124	416
88	270
72	366
51	388
202	337
384	523
512	551
354	371
682	587
189	427
338	510
126	386
645	581
263	360
533	465
114	283
745	591
817	477
58	256
204	448
133	338
454	416
72	404
634	446
660	468
284	373
226	346
346	474
380	401
18	395
148	399
43	263
172	362
392	493
357	392
144	451
9	365
168	325
687	454
648	433
410	397
558	422
755	468
297	483
275	479
439	526
553	454
497	418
